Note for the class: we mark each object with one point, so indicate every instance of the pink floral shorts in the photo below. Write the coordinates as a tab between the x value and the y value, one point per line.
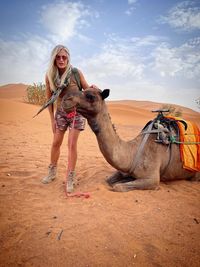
71	120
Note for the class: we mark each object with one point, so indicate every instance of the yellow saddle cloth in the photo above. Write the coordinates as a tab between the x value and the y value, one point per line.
190	145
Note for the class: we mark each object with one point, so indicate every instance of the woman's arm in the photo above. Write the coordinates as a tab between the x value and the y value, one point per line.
50	107
48	95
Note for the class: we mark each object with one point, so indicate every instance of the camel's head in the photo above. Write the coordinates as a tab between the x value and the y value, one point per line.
88	102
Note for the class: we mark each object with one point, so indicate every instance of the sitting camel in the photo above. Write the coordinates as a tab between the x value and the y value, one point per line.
141	163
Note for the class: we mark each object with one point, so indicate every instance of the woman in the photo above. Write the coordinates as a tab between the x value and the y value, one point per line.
59	72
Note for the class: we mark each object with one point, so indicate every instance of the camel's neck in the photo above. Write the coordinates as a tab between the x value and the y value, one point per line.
112	147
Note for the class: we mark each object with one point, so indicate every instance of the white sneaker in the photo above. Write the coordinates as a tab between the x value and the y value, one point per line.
70	182
51	175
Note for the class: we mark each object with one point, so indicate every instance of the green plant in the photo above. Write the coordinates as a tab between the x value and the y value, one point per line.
173	111
35	94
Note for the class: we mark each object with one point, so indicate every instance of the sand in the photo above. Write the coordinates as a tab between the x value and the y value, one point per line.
40	227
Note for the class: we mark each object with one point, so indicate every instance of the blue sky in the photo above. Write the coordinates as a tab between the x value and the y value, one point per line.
140	49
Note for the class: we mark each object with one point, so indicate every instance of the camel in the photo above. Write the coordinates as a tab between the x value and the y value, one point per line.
141	163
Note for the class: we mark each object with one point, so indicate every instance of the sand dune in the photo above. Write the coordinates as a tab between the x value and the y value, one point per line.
13	91
41	227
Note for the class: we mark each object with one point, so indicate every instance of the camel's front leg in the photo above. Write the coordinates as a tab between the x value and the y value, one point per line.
116	177
138	184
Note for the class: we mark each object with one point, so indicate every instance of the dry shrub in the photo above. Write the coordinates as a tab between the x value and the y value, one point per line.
198	102
173	111
35	94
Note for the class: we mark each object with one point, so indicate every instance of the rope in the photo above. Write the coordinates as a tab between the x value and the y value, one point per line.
172	138
78	194
174	141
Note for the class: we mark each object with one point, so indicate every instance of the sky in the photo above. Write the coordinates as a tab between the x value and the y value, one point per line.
139	49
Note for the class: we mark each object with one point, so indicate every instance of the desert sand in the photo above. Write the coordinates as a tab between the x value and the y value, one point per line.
41	227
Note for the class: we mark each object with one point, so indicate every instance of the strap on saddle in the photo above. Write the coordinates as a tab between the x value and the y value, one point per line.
141	147
164	127
77	77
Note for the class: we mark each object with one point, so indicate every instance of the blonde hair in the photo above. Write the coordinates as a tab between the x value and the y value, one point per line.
52	71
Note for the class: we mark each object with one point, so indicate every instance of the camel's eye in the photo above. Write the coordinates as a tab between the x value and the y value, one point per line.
90	97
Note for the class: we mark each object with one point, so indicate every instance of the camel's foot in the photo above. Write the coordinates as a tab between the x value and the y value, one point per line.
119	177
139	184
116	177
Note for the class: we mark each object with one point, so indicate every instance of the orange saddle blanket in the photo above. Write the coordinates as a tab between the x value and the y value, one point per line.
189	145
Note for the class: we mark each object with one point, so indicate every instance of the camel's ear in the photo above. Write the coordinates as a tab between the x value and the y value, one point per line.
105	93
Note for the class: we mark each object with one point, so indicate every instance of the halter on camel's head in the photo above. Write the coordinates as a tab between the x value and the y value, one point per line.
84	99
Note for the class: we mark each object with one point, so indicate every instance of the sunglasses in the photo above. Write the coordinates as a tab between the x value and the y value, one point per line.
61	57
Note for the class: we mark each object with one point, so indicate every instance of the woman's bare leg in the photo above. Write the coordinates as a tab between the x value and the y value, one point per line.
55	153
72	158
72	149
55	148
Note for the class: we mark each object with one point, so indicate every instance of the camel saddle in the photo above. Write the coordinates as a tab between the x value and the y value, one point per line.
174	130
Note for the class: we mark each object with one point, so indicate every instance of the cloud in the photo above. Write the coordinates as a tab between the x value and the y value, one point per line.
121	66
131	8
126	58
23	61
63	20
132	2
179	61
146	68
29	57
134	68
148	40
184	16
117	58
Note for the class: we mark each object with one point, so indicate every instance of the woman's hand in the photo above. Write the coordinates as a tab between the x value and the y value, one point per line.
94	86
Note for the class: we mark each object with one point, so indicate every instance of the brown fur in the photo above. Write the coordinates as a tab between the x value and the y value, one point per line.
154	164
